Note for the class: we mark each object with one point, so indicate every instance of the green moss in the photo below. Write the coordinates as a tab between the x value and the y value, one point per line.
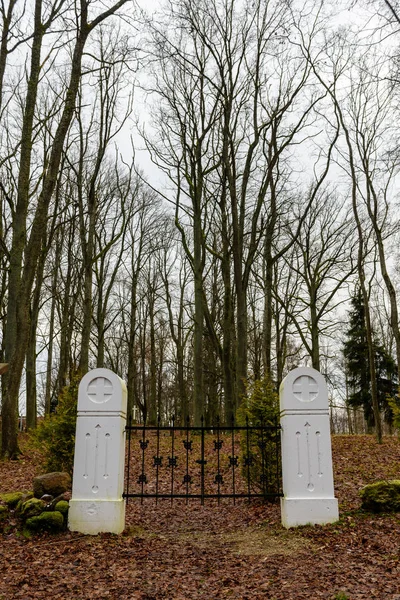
11	499
32	508
3	512
24	498
382	496
52	521
62	507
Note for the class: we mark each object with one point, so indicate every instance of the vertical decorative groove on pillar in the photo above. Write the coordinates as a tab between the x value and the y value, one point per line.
307	472
97	504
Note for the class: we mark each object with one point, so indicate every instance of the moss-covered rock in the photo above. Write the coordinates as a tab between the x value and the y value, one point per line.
11	499
382	496
24	498
32	508
51	483
62	506
52	521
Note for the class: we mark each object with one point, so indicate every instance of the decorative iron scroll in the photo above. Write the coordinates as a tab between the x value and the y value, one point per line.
217	461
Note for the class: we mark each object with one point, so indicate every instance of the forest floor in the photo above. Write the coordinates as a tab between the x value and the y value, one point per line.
192	551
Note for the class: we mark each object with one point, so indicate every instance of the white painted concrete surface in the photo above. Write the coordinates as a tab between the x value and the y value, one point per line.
97	504
306	450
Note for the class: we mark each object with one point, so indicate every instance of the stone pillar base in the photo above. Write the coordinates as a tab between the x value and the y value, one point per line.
96	516
305	511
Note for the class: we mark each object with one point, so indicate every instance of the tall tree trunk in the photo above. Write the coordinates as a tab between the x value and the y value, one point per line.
31	388
144	404
362	280
87	313
241	348
267	313
21	286
198	379
229	378
180	359
268	265
361	250
394	313
49	365
31	391
314	330
66	314
132	366
228	322
100	316
7	18
18	327
30	375
152	414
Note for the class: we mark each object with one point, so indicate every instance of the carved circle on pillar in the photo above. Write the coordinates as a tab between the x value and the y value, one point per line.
100	390
305	388
307	473
97	504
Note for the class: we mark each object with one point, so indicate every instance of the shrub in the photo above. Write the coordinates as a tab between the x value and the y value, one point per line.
394	404
260	408
56	434
260	405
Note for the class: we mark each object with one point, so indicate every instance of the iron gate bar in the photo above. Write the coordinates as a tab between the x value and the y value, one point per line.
219	478
202	462
143	444
278	457
248	455
159	458
176	495
173	460
128	428
263	474
209	428
188	447
234	461
266	478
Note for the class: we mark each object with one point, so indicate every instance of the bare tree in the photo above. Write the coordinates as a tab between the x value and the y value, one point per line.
222	134
370	112
142	227
323	262
339	60
22	274
176	300
110	235
69	277
182	149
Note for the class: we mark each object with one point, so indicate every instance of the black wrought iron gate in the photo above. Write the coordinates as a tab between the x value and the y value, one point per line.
203	462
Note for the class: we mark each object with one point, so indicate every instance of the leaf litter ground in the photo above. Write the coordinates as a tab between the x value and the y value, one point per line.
227	551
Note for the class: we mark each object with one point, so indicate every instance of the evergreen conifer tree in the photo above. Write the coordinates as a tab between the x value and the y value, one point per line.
355	351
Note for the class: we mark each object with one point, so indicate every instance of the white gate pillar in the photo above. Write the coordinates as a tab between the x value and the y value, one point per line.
307	472
97	505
